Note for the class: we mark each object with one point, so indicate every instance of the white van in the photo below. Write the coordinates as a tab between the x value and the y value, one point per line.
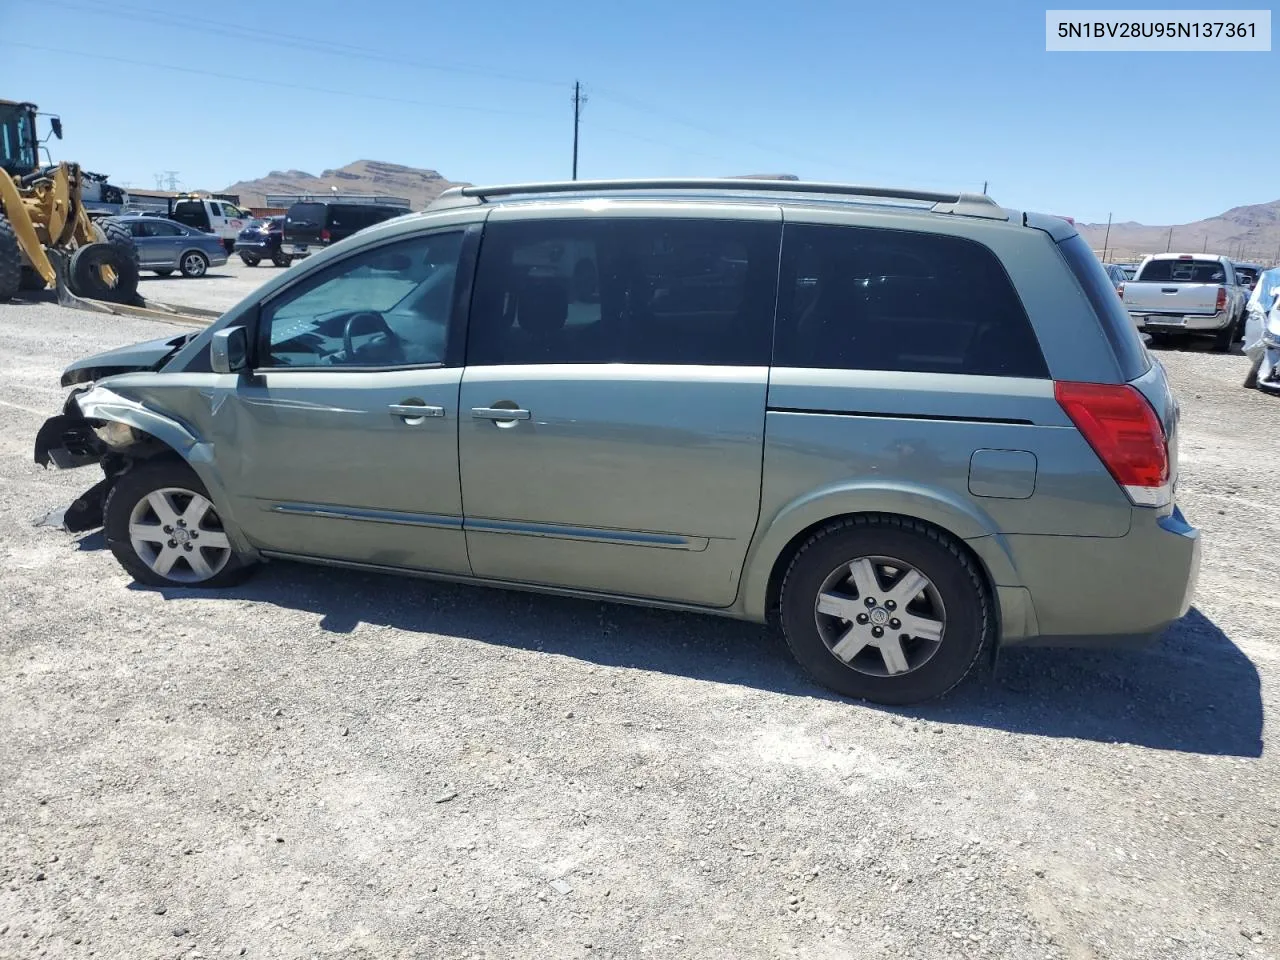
219	217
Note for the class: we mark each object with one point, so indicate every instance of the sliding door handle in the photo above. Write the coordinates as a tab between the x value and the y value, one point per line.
500	413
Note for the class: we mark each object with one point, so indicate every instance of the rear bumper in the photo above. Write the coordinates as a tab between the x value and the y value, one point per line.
1190	323
1107	591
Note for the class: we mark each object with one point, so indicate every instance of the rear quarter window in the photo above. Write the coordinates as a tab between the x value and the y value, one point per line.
861	298
1119	330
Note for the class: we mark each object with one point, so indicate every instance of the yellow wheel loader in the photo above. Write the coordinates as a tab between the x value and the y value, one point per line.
46	235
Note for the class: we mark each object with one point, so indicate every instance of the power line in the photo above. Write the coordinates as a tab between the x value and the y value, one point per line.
267	82
296	41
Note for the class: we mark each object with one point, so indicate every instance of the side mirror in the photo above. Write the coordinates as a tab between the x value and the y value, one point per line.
56	124
229	350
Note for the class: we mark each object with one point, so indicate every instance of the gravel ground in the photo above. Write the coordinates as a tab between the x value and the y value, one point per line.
322	764
221	288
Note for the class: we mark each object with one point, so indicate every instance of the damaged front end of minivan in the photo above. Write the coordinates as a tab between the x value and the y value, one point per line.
98	425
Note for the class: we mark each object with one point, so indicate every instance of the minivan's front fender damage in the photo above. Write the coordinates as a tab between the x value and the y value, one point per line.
117	430
959	518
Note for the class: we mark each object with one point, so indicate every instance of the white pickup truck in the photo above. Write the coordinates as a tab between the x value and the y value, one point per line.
1186	294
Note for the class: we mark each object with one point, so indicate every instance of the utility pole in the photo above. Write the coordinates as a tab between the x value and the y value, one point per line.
1205	248
1169	246
984	185
578	100
1107	239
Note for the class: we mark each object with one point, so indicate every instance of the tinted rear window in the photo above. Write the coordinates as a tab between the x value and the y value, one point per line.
1120	332
624	291
1183	271
306	214
858	298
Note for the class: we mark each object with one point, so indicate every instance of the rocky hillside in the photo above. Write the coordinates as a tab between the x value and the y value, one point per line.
1254	228
363	176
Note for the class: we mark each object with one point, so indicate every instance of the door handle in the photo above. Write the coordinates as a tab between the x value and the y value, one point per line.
414	410
500	413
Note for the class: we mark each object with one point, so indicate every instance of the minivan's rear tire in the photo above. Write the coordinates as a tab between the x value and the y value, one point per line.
194	264
885	609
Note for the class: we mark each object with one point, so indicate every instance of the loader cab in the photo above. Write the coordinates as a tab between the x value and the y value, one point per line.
19	145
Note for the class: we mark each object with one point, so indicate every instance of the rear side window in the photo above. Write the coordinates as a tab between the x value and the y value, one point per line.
859	298
1184	271
625	291
1119	330
306	215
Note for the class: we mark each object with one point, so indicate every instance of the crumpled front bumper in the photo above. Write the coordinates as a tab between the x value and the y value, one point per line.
68	440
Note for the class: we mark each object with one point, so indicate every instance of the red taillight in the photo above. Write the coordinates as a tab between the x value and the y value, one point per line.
1222	299
1124	432
1120	290
324	236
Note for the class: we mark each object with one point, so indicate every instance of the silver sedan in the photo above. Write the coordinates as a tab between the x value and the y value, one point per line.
165	246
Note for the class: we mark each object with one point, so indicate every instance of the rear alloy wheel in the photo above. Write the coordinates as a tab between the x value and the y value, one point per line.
194	264
164	530
885	609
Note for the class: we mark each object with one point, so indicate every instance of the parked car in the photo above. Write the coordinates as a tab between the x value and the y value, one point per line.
310	227
1187	294
906	433
165	246
1116	274
1262	333
1130	270
260	240
220	217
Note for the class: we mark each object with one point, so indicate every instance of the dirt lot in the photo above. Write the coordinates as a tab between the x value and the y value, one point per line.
321	764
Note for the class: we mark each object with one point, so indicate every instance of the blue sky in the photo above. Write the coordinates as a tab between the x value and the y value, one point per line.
934	95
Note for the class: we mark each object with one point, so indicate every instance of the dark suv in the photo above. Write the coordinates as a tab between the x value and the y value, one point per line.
260	241
315	224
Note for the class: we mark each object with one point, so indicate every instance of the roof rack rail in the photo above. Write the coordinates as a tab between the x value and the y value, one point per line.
962	204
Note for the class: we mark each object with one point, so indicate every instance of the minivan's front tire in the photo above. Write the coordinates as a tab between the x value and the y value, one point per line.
164	530
885	609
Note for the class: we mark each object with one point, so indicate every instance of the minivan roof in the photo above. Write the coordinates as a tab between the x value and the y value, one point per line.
954	202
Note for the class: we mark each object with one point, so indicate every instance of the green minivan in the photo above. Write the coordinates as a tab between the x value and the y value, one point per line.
904	425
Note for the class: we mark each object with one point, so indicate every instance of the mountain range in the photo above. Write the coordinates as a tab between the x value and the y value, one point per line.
1246	233
418	186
